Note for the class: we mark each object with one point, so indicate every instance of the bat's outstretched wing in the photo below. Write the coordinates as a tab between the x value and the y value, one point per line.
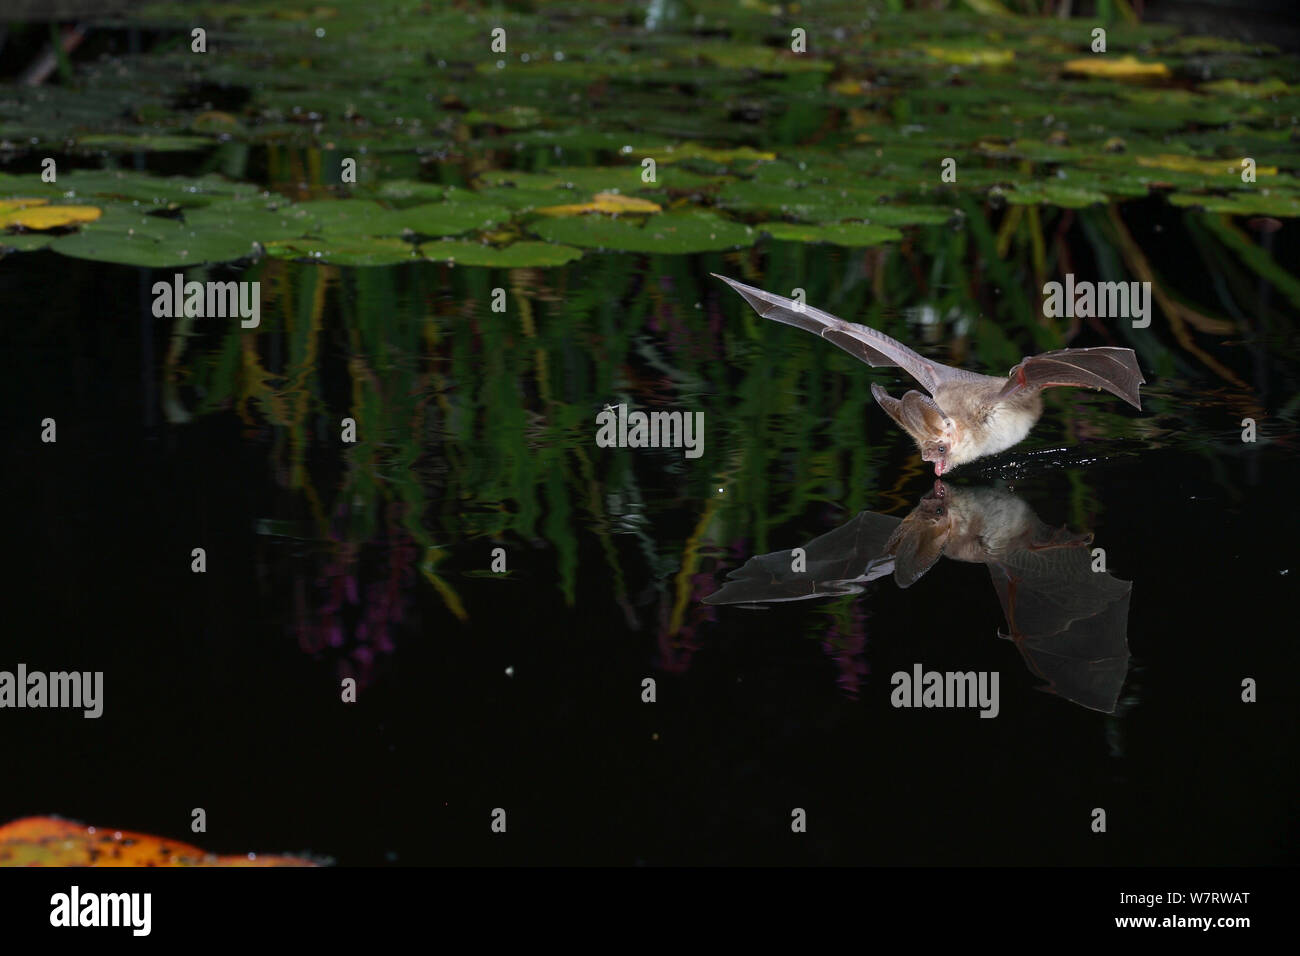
1114	369
860	341
1069	623
838	562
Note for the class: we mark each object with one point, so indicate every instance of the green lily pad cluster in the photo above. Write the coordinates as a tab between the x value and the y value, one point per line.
886	121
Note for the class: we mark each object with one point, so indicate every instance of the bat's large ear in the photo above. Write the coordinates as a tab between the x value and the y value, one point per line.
916	545
894	408
924	414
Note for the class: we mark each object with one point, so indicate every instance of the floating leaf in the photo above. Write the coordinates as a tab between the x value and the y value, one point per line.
168	192
971	57
1116	68
594	179
409	189
445	219
258	220
1263	202
347	217
363	217
603	202
9	205
512	117
50	841
1193	45
1255	91
680	232
763	58
910	215
150	142
841	234
518	255
1206	167
345	251
513	197
1069	197
25	241
154	242
49	217
812	203
685	151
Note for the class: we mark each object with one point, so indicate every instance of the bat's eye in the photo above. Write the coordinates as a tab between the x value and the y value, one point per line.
943	449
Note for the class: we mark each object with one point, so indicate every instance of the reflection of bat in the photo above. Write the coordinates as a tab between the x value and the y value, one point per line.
1069	623
966	415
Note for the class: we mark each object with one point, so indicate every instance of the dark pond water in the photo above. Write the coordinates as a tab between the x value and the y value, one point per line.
919	172
523	690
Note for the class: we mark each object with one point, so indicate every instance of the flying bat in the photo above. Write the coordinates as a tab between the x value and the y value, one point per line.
966	415
1069	622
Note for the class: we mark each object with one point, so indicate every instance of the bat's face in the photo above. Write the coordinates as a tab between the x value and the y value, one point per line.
934	505
919	539
945	449
937	452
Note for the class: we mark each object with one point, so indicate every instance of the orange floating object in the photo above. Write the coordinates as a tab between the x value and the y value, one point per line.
50	841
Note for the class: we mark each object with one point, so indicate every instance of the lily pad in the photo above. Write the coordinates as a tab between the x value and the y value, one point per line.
687	151
150	142
680	232
812	203
1263	202
594	179
971	56
840	233
517	255
364	217
910	215
409	189
1117	68
1068	197
515	198
603	202
345	251
258	219
1255	91
49	217
1204	167
445	219
9	205
153	242
25	241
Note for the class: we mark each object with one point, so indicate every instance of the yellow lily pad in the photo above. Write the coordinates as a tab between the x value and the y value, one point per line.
1206	167
959	56
50	217
1116	68
603	202
9	205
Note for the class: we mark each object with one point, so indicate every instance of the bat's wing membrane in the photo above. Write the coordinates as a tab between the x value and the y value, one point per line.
1114	369
860	341
1069	623
836	563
